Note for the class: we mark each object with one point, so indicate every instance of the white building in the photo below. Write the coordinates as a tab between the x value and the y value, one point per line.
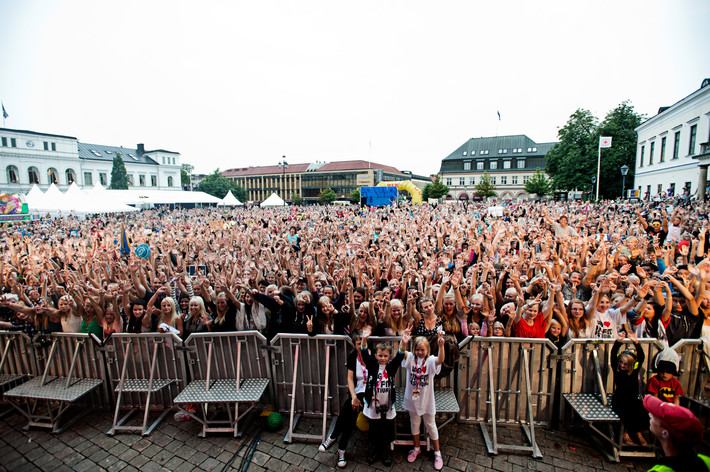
674	147
28	157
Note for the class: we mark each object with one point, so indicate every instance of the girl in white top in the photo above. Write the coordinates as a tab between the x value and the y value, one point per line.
421	367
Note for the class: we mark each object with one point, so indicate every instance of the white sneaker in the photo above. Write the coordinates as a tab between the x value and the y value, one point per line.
326	444
341	459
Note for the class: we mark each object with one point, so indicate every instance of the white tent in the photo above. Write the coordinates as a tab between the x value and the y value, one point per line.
272	201
34	198
229	200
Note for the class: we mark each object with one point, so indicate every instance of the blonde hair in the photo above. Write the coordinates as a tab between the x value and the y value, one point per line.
422	341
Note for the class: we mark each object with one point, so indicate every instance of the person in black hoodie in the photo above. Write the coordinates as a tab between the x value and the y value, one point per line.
380	396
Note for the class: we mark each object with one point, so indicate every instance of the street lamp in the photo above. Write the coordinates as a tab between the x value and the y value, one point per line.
283	165
624	171
594	181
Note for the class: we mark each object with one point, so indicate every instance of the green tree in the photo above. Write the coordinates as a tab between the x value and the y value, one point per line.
619	123
218	185
119	176
571	163
296	198
485	188
426	193
355	196
539	184
327	195
185	172
438	189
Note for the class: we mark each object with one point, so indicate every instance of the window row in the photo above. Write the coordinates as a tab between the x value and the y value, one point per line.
12	142
493	165
692	142
33	177
495	180
500	151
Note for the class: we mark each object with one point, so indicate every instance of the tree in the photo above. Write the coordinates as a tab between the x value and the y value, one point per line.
119	176
327	195
296	198
426	193
185	173
437	189
619	124
355	196
218	185
485	188
572	162
539	184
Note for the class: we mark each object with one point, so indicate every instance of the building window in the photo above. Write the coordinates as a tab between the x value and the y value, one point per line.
170	181
163	159
671	189
467	165
494	165
650	153
154	180
525	179
514	180
506	164
4	141
660	189
473	153
503	180
130	179
70	176
462	181
493	180
479	165
13	175
88	179
173	161
33	174
46	146
448	181
662	157
676	145
465	153
54	146
103	179
521	164
13	142
472	180
643	152
687	186
52	176
693	135
141	180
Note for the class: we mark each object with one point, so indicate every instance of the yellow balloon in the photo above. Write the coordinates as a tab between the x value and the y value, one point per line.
362	423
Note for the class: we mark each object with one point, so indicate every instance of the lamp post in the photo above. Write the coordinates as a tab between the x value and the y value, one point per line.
283	165
624	171
594	181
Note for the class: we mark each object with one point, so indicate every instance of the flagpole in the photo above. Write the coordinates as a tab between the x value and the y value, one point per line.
599	165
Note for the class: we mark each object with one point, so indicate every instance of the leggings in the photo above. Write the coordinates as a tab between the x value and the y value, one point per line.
381	434
345	423
429	421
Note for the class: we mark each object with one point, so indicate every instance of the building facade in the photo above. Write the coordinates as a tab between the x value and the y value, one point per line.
308	180
29	157
510	162
673	150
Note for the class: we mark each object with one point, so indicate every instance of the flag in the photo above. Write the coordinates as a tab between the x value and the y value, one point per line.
4	113
604	141
498	115
125	244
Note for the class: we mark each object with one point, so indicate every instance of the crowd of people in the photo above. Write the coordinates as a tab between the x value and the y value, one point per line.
559	270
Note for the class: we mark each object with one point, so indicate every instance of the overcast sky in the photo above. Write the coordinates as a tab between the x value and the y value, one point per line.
238	83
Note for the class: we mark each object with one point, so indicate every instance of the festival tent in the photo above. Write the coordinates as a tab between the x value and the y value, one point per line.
229	200
273	200
35	197
147	198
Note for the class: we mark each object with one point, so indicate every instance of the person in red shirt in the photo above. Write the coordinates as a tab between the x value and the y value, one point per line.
664	385
531	321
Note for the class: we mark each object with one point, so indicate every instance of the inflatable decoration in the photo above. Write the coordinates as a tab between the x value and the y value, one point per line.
10	204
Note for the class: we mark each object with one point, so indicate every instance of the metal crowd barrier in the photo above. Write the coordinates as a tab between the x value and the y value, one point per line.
507	381
69	369
226	369
587	383
145	372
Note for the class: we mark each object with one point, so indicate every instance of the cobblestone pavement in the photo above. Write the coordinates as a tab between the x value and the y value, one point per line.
175	446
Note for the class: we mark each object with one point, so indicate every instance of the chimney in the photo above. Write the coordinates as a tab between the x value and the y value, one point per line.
141	148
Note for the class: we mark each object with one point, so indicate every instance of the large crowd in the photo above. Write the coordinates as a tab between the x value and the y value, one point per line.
559	270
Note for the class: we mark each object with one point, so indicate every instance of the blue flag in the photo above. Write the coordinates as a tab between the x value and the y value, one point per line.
125	245
4	113
498	115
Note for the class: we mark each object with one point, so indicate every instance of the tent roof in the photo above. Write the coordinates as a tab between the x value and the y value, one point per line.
229	200
273	200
